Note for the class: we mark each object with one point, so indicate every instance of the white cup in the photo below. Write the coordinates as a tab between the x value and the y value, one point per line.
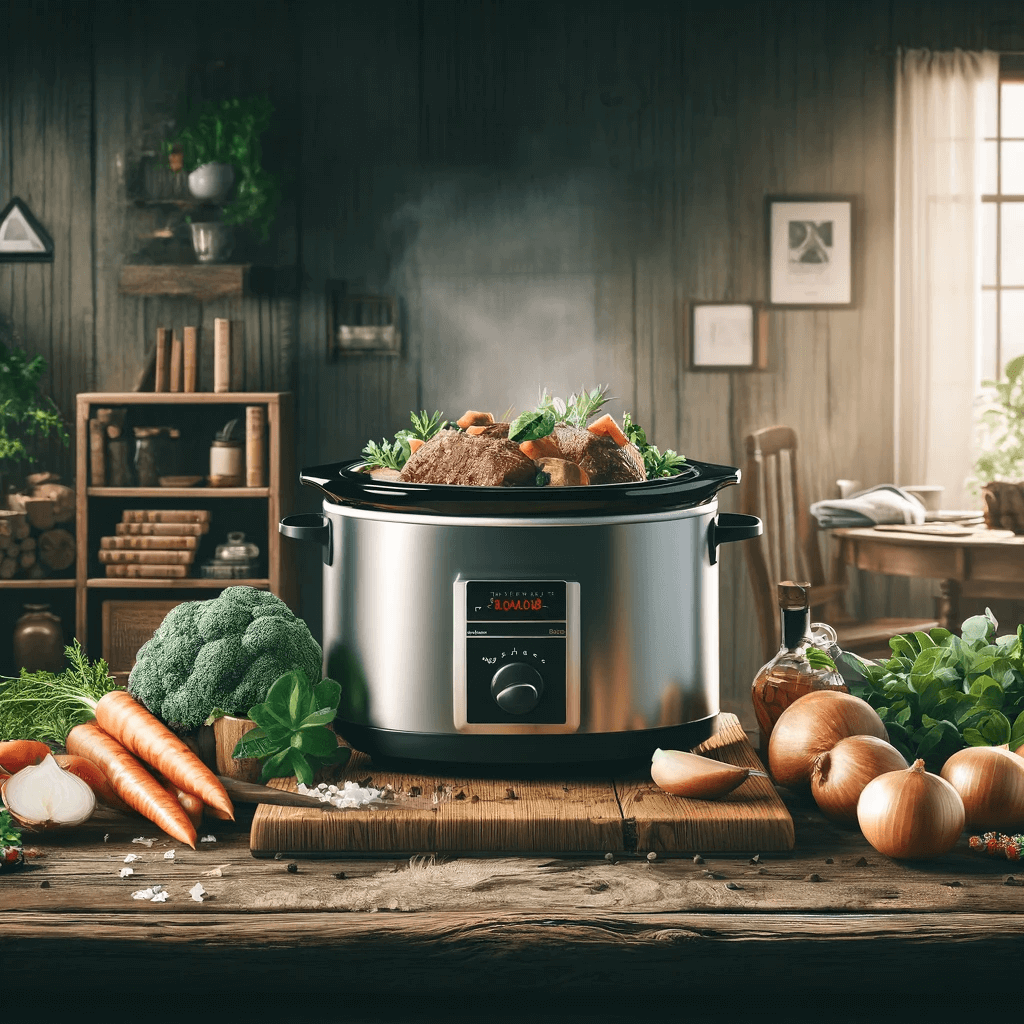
930	495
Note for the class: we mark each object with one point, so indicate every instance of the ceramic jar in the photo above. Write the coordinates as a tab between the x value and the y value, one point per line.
211	182
39	640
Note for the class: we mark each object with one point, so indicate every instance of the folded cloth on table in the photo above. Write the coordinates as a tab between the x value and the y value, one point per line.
885	503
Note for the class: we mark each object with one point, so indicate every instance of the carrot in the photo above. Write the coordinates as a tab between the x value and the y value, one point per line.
91	775
18	754
472	418
190	804
542	448
130	780
121	716
213	812
415	443
606	425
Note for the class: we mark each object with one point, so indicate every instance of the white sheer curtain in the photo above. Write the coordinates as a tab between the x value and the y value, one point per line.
943	103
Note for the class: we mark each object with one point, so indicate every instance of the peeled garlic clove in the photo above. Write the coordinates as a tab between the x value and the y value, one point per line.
686	774
44	796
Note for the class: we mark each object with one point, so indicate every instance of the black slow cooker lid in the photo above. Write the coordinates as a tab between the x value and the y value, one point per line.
344	484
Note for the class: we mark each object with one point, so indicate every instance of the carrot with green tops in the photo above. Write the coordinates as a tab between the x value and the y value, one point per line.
130	780
18	754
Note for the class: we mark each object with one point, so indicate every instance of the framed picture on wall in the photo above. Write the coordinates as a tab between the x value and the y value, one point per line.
810	251
728	336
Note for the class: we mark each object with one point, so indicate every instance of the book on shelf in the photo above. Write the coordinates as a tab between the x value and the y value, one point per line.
165	515
108	557
143	572
171	542
161	529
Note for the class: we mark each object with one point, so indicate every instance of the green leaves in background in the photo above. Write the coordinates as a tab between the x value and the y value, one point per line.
292	737
24	414
940	692
9	835
1001	424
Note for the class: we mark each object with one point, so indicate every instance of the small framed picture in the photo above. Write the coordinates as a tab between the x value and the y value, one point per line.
728	336
810	251
22	238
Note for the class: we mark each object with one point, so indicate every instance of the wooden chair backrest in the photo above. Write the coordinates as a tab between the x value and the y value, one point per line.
788	549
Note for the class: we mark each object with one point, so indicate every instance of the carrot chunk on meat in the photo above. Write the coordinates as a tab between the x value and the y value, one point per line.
542	448
606	425
472	418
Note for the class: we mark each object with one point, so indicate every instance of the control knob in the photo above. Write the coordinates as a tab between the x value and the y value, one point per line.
517	688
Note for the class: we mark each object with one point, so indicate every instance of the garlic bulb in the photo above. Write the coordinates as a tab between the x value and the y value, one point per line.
45	796
910	814
990	781
685	774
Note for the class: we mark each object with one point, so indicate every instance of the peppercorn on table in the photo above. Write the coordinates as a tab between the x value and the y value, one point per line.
832	916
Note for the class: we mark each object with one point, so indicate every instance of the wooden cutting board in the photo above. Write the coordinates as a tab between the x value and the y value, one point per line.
577	816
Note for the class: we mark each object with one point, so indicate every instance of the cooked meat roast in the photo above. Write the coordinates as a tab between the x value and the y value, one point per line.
599	456
474	460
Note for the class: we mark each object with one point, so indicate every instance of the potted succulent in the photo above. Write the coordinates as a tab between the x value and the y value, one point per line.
25	415
218	145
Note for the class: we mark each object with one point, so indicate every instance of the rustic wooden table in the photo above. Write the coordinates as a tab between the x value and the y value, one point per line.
833	917
974	562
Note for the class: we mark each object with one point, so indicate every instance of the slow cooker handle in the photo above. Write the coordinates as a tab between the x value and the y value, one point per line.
729	526
310	526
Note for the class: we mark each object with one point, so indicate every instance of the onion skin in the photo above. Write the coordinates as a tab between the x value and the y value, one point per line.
840	774
990	781
911	814
812	725
684	774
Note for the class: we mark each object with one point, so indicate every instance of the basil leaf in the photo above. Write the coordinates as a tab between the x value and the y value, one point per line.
301	768
318	718
326	694
253	745
319	742
530	426
278	766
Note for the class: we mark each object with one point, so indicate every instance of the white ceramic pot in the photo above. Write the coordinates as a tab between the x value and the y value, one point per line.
211	181
213	241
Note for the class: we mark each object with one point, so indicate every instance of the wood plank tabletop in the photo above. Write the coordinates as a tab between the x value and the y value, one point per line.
834	907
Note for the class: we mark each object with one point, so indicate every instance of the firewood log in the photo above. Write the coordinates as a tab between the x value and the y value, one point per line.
40	513
8	567
56	549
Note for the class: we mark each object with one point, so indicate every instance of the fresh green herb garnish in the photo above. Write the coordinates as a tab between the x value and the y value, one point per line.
940	692
386	455
531	426
292	737
819	659
424	427
657	463
9	835
577	409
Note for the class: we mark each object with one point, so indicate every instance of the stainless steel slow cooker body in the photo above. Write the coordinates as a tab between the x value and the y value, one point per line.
517	638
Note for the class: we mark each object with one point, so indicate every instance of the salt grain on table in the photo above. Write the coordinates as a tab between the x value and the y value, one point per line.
125	872
143	841
350	795
131	858
208	839
169	855
197	892
155	894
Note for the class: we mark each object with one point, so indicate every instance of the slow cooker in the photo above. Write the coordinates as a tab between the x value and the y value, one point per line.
521	625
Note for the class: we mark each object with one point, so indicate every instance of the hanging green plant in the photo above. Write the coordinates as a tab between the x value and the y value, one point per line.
228	132
1002	428
25	415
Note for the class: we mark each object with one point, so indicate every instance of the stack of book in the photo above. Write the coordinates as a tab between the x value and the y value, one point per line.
154	543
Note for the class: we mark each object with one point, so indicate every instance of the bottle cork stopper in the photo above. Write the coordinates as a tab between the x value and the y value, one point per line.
793	594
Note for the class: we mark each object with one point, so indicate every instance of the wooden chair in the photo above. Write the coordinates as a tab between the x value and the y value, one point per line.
788	550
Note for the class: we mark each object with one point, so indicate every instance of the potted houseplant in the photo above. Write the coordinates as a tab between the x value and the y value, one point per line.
25	415
218	145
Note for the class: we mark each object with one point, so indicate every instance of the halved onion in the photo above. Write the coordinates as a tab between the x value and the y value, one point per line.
45	796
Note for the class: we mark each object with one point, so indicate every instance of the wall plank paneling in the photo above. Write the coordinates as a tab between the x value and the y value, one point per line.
545	187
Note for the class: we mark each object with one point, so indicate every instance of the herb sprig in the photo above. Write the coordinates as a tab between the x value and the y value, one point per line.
292	737
577	408
9	835
656	462
386	455
940	692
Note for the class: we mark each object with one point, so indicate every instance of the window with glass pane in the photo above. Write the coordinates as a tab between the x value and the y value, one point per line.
1002	265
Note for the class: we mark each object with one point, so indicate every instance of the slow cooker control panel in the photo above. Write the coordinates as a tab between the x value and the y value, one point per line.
516	656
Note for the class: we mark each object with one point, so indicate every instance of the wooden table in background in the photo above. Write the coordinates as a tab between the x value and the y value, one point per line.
980	563
832	917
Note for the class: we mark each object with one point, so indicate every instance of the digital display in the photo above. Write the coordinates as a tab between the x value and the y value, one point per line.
488	600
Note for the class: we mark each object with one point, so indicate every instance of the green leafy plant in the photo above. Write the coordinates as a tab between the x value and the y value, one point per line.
9	835
940	692
1002	428
423	428
577	409
24	413
656	462
292	737
386	455
229	132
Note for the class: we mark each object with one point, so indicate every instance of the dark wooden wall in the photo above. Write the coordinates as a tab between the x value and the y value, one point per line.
543	185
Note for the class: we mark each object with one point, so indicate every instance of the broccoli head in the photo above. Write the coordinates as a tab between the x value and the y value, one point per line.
225	653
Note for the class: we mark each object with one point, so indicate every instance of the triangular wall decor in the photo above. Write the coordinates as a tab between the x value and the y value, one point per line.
22	237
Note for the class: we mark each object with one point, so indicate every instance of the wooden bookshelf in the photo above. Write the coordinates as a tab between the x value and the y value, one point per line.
98	507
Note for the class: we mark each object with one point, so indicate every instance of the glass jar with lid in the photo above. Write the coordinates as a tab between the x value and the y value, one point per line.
236	559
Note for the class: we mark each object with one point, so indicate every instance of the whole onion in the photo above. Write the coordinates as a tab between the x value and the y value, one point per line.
990	781
812	724
910	814
840	774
